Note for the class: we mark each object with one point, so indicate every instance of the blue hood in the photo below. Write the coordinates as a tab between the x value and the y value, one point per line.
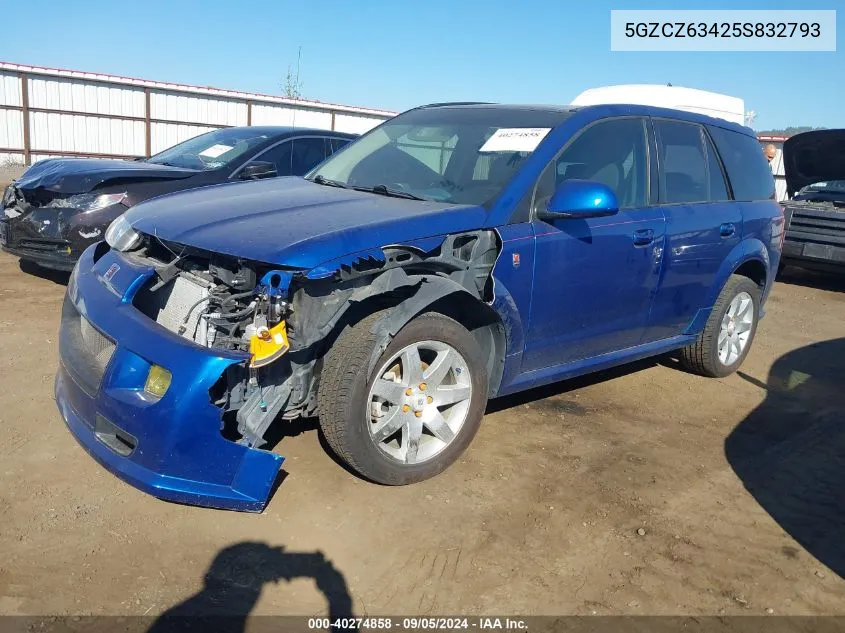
81	175
294	222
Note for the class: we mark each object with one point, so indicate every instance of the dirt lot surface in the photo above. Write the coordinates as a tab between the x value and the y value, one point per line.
642	491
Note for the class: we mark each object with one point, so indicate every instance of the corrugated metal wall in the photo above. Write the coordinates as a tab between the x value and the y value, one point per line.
46	113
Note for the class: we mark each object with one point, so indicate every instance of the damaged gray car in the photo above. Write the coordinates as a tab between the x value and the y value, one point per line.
60	206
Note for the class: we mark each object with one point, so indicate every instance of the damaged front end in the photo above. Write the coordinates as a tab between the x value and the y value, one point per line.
285	320
53	229
176	361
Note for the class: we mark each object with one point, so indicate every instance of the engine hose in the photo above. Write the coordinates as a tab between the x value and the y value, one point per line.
241	295
190	311
234	315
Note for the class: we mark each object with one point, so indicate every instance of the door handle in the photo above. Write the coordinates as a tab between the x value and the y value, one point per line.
643	237
727	229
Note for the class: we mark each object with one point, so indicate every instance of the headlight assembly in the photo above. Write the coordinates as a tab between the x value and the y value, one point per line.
86	202
121	236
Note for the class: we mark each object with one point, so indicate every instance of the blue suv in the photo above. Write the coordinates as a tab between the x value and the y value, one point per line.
456	253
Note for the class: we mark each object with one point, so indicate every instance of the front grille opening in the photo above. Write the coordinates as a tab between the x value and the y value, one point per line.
85	352
45	245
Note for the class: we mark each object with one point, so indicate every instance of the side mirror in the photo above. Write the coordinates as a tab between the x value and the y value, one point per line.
258	169
580	199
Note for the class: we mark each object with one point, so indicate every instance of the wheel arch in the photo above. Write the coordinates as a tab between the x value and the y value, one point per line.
450	299
755	270
748	259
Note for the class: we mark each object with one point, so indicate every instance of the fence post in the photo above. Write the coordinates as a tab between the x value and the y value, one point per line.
249	111
148	140
27	146
333	120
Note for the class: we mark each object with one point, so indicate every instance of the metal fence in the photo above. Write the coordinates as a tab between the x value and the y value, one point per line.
47	112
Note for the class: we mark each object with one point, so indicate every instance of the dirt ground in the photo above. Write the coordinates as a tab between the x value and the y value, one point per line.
646	490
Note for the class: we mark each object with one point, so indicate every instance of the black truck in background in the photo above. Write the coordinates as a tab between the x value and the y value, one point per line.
815	211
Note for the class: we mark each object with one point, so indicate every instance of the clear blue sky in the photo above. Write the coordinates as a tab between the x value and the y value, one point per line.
401	53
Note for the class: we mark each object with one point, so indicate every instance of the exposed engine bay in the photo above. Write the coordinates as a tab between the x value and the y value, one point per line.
219	306
285	320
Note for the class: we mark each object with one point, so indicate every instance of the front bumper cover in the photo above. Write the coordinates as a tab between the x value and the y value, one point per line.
175	449
55	237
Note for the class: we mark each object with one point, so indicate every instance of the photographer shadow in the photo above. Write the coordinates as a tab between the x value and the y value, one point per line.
790	451
235	579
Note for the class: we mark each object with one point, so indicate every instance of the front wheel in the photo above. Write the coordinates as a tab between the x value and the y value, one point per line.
727	336
416	412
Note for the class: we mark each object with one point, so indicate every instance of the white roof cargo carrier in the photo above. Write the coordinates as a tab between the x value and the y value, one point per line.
688	99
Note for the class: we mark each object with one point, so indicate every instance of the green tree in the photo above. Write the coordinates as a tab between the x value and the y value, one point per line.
292	86
790	131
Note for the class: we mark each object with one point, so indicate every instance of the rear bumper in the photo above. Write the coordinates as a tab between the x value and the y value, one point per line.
171	448
813	255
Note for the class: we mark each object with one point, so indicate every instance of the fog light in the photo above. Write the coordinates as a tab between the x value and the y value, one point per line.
158	381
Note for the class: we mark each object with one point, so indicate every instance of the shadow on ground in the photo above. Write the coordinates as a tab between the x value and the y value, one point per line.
821	280
56	276
235	579
790	451
572	384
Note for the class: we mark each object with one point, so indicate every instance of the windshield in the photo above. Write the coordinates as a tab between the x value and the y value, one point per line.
459	155
212	150
832	186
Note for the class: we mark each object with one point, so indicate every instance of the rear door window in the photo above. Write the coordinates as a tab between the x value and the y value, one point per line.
683	176
749	173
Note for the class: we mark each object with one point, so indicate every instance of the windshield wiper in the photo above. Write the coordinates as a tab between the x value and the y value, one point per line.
382	190
322	180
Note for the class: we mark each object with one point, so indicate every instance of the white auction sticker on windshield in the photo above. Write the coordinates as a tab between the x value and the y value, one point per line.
215	150
515	139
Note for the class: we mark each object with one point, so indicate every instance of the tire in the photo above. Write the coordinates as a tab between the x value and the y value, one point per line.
702	356
347	410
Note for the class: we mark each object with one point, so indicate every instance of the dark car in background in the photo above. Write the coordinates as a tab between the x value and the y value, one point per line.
60	206
815	213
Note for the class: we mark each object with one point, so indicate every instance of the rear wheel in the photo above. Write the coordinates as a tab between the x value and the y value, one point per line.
416	412
724	343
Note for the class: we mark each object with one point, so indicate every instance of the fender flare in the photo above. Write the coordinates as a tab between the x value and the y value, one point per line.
746	251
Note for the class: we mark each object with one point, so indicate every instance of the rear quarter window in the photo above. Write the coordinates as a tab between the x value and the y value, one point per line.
749	173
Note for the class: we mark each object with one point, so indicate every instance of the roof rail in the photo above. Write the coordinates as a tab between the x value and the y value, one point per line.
455	103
